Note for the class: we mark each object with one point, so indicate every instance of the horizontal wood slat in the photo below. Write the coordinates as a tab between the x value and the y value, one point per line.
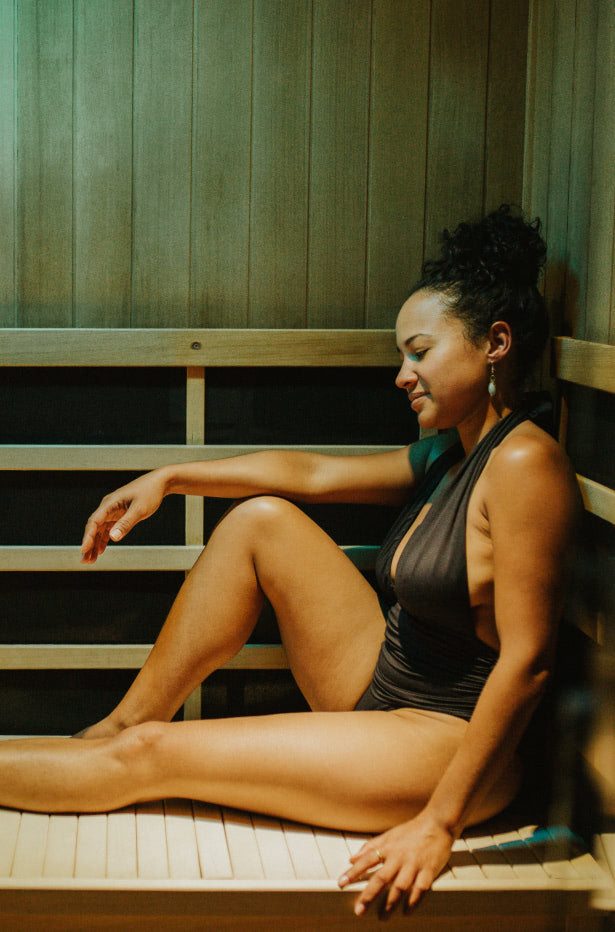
147	558
122	657
584	363
128	457
598	499
149	347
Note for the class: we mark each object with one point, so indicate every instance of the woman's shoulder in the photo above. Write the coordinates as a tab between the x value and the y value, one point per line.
529	459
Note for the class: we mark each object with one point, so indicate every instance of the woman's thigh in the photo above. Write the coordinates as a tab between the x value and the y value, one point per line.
359	771
329	616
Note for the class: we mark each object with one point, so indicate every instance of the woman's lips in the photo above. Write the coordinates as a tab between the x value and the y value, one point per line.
416	398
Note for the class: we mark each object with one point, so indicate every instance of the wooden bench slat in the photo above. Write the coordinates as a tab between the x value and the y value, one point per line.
152	857
122	657
122	844
584	363
91	855
29	855
273	848
598	499
181	839
9	831
141	457
242	845
211	842
195	348
131	558
304	852
61	846
334	851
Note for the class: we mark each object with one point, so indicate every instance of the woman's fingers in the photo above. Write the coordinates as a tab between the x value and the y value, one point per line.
112	520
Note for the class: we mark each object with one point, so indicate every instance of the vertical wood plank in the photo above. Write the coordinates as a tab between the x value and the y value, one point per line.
242	846
44	168
538	110
195	434
152	858
221	164
333	851
397	163
579	201
538	132
162	157
61	846
458	92
91	857
339	153
122	844
508	36
562	39
211	841
31	842
304	851
103	162
194	504
7	164
273	848
602	237
280	163
181	840
10	821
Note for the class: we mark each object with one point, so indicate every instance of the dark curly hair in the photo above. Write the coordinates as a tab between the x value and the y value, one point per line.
488	271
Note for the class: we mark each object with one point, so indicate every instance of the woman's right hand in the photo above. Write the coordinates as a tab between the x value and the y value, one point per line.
118	513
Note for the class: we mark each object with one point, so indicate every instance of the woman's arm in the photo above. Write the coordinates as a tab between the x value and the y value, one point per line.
530	532
378	478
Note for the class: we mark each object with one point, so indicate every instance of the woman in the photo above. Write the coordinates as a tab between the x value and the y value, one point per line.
413	738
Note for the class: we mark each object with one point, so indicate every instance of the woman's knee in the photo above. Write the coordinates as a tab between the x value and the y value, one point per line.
262	514
140	749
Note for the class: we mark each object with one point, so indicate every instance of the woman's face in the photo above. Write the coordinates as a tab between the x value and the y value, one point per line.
444	373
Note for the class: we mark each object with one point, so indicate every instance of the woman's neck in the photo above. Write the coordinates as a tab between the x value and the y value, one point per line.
472	430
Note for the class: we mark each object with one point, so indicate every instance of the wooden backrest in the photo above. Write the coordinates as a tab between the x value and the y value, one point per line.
195	351
576	362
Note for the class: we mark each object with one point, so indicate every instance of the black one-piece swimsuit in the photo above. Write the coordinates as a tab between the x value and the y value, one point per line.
431	658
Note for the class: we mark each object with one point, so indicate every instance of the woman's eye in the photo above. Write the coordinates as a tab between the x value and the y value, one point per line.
417	355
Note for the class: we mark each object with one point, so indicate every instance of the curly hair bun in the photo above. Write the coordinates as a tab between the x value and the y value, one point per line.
500	247
489	271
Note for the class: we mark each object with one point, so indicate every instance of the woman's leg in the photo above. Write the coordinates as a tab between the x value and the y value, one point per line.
329	616
362	771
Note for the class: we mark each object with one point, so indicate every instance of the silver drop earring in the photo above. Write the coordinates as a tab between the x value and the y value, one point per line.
491	388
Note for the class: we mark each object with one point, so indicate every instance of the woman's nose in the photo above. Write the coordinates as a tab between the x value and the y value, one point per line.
406	376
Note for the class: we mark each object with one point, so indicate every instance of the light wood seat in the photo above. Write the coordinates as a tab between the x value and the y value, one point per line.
188	859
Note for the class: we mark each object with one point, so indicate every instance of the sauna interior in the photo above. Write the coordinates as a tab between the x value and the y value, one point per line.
261	164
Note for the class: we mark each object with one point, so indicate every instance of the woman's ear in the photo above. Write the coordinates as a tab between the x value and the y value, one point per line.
500	341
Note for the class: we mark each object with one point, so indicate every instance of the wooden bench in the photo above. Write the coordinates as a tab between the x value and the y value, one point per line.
183	864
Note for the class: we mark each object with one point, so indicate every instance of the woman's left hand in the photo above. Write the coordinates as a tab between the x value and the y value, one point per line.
408	859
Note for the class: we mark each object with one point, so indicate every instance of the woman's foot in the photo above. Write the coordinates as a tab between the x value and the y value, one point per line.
102	729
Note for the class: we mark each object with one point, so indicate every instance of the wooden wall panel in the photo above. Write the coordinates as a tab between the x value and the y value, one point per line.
256	163
162	160
505	103
581	149
44	170
398	147
458	93
339	160
600	322
556	217
570	159
221	164
280	163
103	162
7	164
